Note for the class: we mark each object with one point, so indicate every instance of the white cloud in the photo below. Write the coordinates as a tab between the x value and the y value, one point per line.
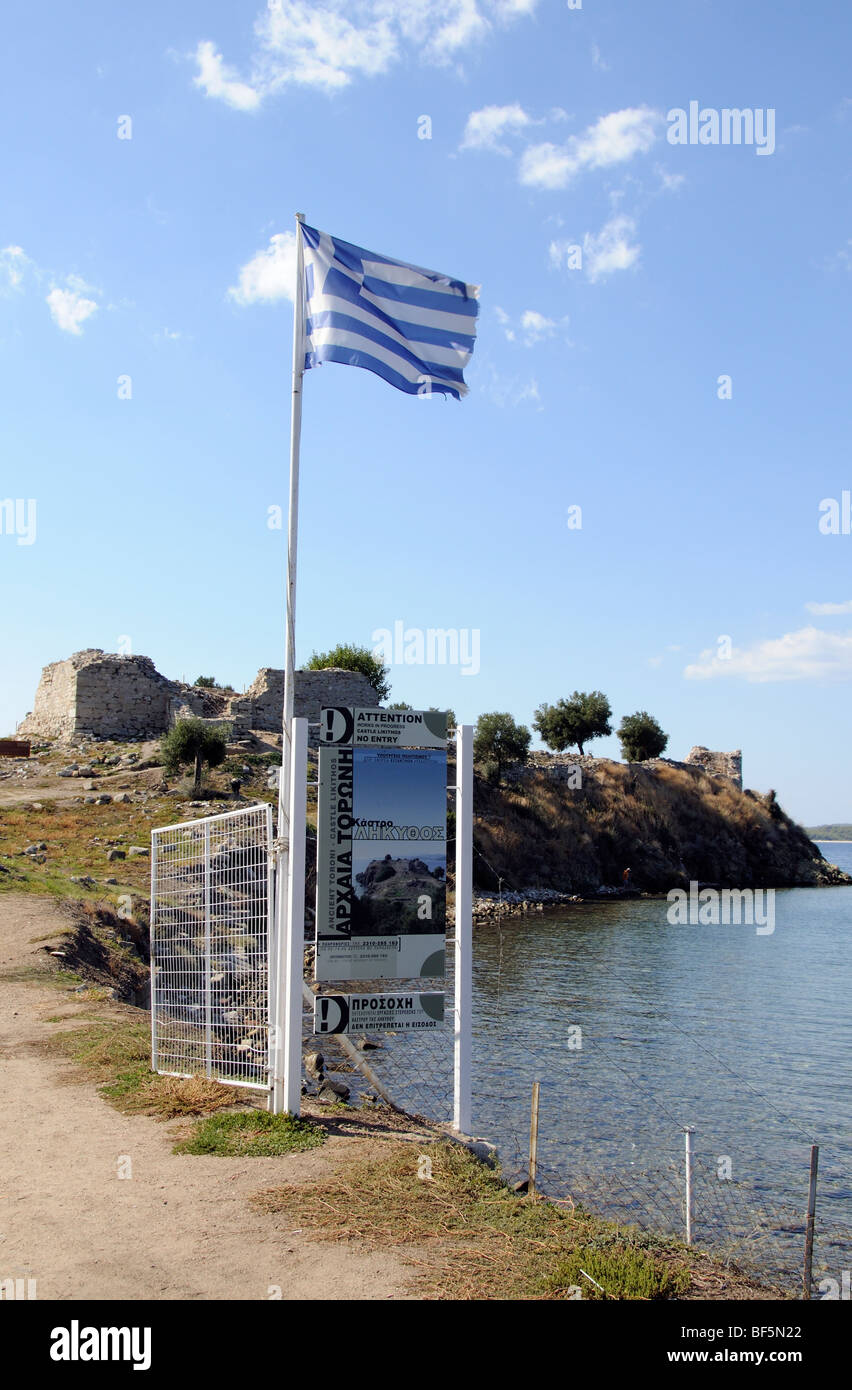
14	264
270	274
597	60
670	182
69	309
507	390
217	80
611	249
506	323
611	140
532	326
843	258
535	326
485	128
69	306
329	43
825	610
809	654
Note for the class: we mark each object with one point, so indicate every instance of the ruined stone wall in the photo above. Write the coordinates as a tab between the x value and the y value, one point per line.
101	696
561	765
97	695
718	764
313	689
55	712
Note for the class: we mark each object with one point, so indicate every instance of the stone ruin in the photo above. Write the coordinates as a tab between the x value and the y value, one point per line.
94	694
562	766
728	765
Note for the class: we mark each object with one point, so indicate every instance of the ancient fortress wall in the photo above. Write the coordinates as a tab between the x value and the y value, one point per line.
97	695
718	764
561	765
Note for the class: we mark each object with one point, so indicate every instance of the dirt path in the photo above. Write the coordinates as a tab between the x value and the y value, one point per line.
180	1227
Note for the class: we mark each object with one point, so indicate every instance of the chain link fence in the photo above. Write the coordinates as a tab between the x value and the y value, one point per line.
412	1070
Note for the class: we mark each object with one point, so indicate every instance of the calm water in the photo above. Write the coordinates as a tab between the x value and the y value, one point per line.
745	1037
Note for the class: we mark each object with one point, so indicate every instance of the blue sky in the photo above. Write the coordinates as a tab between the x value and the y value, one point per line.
164	258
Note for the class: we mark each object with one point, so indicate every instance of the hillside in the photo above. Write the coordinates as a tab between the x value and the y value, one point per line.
668	824
81	829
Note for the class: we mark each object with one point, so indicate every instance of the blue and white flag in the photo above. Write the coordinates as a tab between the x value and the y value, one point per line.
414	327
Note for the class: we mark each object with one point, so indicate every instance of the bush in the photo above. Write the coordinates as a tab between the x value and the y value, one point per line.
348	657
194	741
641	737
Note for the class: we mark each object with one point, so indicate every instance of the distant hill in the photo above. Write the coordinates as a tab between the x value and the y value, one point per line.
830	832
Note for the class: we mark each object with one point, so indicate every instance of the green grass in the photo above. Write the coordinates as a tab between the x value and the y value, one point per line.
623	1270
255	1134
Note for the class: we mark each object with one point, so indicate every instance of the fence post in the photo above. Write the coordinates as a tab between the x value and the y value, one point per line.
462	1121
809	1228
155	1061
533	1139
688	1133
208	939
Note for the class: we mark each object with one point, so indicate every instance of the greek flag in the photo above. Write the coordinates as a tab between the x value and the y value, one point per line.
414	327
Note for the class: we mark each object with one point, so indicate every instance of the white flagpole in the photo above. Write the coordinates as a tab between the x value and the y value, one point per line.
293	527
282	924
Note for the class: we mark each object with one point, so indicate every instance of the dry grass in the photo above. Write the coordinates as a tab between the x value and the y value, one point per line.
669	825
115	1053
475	1239
78	839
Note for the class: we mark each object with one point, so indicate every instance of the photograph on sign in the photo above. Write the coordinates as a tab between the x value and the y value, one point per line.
392	728
382	863
353	1013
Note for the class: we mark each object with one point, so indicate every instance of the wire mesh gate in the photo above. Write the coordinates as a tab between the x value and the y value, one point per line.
211	932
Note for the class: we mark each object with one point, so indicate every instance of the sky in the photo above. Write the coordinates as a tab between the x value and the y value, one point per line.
642	492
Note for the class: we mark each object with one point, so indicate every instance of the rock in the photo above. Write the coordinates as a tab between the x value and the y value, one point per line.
333	1090
109	880
35	849
138	852
116	854
315	1065
123	798
483	1149
365	1044
103	800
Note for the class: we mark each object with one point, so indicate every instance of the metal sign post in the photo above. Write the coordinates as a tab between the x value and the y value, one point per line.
464	930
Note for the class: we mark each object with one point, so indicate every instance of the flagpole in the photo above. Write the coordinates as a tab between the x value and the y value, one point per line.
292	529
282	922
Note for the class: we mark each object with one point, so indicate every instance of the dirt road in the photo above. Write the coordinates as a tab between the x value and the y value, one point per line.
180	1227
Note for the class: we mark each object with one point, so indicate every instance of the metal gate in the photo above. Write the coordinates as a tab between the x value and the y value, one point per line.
211	932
